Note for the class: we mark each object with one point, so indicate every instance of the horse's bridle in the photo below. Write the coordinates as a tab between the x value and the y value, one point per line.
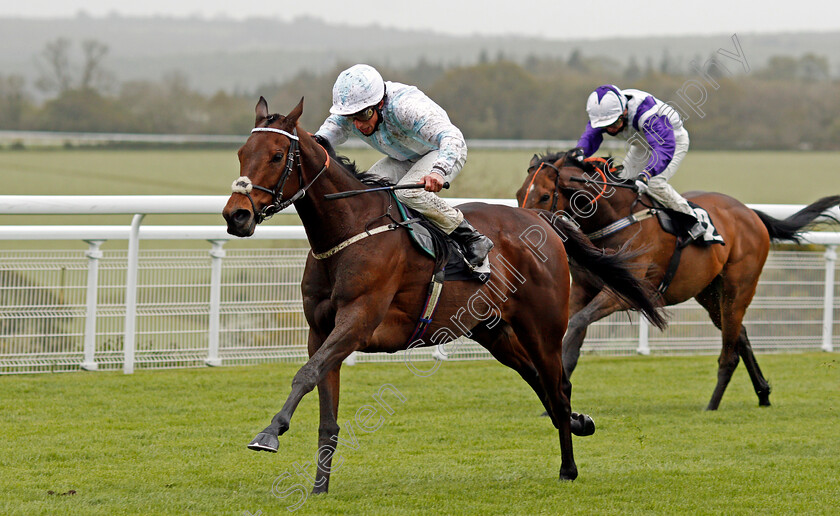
243	185
556	194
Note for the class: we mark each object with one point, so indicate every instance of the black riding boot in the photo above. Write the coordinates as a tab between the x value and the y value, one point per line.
475	245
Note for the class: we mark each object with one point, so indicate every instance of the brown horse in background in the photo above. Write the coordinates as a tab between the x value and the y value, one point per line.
722	278
369	295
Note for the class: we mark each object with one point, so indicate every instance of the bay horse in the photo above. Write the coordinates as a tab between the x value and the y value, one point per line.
722	278
364	284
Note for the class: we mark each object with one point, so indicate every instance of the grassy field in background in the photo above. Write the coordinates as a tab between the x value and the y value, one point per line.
753	177
467	440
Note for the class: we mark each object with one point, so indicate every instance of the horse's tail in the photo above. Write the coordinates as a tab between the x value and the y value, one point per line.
612	270
792	227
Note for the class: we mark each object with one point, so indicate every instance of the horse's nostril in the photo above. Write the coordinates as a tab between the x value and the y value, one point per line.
241	217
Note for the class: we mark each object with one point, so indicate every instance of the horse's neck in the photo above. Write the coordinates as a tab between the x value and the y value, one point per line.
330	222
610	209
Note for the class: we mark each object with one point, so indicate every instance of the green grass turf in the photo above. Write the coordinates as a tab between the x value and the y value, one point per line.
467	440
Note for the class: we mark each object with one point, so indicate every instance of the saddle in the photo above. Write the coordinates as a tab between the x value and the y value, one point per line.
434	243
678	224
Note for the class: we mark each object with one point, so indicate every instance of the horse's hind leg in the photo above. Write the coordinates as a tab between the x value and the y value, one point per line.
760	384
538	340
502	343
726	303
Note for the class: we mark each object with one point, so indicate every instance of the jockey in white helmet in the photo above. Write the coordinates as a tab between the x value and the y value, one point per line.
420	143
658	142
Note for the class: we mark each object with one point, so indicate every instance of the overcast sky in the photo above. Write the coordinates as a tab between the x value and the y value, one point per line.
546	18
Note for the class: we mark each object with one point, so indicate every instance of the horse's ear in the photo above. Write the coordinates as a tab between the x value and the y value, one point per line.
296	112
562	160
261	110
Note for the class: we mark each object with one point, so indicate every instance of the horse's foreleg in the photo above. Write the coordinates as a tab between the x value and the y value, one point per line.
338	346
328	393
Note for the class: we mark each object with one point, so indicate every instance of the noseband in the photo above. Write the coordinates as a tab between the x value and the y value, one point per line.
243	185
556	185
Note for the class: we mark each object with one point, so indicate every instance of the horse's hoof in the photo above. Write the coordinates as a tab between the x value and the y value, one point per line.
264	442
569	475
582	425
764	398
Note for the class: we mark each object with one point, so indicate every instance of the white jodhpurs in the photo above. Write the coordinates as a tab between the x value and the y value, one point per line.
429	204
658	187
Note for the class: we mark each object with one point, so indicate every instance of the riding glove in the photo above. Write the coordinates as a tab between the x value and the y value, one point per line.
576	154
322	141
641	183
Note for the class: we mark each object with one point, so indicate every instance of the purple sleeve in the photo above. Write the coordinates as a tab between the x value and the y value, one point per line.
660	136
590	140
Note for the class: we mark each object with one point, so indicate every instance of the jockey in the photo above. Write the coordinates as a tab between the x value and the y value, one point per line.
420	143
658	142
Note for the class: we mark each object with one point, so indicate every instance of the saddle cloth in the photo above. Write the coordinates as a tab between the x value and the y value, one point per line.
677	224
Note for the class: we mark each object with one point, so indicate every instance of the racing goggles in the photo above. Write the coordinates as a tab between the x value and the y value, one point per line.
364	115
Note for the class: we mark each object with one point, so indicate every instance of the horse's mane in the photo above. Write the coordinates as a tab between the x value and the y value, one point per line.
349	166
591	167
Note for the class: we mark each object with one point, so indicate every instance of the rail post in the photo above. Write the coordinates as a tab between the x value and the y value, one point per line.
828	298
644	334
93	255
217	254
131	294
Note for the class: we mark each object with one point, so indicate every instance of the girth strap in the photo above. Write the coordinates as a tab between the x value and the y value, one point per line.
435	289
673	265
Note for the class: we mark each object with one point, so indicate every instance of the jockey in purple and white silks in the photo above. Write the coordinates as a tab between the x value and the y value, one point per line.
657	140
420	143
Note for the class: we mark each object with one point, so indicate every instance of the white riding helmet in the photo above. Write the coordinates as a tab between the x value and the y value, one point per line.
356	88
605	105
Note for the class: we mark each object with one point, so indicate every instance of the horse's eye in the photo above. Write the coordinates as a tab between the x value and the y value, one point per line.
277	157
545	197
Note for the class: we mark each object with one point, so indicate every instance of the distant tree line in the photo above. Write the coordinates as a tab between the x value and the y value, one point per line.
791	103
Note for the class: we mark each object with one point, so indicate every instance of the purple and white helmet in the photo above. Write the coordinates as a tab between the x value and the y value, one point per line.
605	105
357	88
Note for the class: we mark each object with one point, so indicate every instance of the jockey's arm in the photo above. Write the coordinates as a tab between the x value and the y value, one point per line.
590	140
427	122
336	130
661	142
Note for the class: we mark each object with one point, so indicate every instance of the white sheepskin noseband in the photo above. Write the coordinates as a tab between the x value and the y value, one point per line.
242	185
